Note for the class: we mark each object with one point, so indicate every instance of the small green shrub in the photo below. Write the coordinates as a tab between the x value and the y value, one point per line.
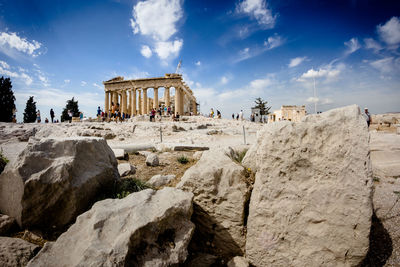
122	188
376	179
183	160
237	156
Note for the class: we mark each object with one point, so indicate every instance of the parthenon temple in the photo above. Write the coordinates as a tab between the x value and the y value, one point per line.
132	95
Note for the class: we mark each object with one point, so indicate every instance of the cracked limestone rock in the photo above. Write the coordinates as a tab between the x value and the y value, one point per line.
312	199
147	228
220	197
16	252
56	179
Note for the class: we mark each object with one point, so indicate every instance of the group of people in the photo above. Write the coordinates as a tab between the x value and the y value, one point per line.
238	115
212	114
38	118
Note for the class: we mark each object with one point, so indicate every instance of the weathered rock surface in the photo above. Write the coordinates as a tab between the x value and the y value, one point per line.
54	180
148	228
125	169
6	223
238	262
311	203
15	252
152	160
220	195
160	180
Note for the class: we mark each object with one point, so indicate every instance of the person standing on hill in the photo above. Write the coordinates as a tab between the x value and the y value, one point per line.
52	115
38	116
367	116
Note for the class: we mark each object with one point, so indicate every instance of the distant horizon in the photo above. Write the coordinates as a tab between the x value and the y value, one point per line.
232	51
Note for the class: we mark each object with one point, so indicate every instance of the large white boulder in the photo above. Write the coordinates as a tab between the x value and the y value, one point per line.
6	224
160	180
220	197
55	179
147	228
125	169
312	198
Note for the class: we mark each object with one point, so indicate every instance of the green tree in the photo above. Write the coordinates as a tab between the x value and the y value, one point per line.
7	100
262	105
30	111
71	106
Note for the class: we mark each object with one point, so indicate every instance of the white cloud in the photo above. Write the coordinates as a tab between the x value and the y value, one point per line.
83	83
390	31
352	45
4	64
296	61
388	65
5	69
146	51
258	9
67	81
156	18
13	41
273	42
44	80
166	50
321	101
198	63
328	72
372	44
224	80
98	86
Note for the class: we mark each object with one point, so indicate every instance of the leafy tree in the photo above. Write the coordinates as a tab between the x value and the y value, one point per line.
30	111
262	105
7	100
73	107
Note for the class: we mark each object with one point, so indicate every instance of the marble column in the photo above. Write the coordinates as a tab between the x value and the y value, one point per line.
181	103
144	111
149	104
133	102
177	100
194	107
125	100
167	97
155	98
140	101
106	102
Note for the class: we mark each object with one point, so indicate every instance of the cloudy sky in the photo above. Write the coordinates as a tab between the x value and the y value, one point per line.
231	51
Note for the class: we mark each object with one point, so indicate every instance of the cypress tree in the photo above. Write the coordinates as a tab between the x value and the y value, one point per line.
7	100
30	111
71	106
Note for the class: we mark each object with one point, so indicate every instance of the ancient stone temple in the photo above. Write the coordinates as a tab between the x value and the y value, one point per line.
133	95
288	113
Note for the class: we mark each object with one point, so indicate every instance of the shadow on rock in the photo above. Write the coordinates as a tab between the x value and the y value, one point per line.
205	241
380	245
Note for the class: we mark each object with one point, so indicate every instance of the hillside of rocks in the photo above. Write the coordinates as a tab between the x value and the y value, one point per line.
201	192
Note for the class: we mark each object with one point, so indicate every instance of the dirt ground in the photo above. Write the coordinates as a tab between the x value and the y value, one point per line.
168	165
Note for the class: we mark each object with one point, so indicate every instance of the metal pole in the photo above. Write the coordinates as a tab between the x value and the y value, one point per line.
244	135
160	134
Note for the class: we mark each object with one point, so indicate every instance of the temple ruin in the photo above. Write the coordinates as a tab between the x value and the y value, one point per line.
132	95
288	113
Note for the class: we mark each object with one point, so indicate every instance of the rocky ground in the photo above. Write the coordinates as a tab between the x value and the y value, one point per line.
222	187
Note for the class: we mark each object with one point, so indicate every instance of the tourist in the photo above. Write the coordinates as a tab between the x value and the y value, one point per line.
169	110
237	116
218	114
212	113
175	118
46	120
70	116
241	115
98	111
152	114
112	110
52	115
38	116
81	116
233	116
367	116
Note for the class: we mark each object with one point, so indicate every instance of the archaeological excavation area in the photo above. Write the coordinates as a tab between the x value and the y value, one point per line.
317	191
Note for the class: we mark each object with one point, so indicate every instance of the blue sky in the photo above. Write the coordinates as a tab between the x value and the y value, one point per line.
231	51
